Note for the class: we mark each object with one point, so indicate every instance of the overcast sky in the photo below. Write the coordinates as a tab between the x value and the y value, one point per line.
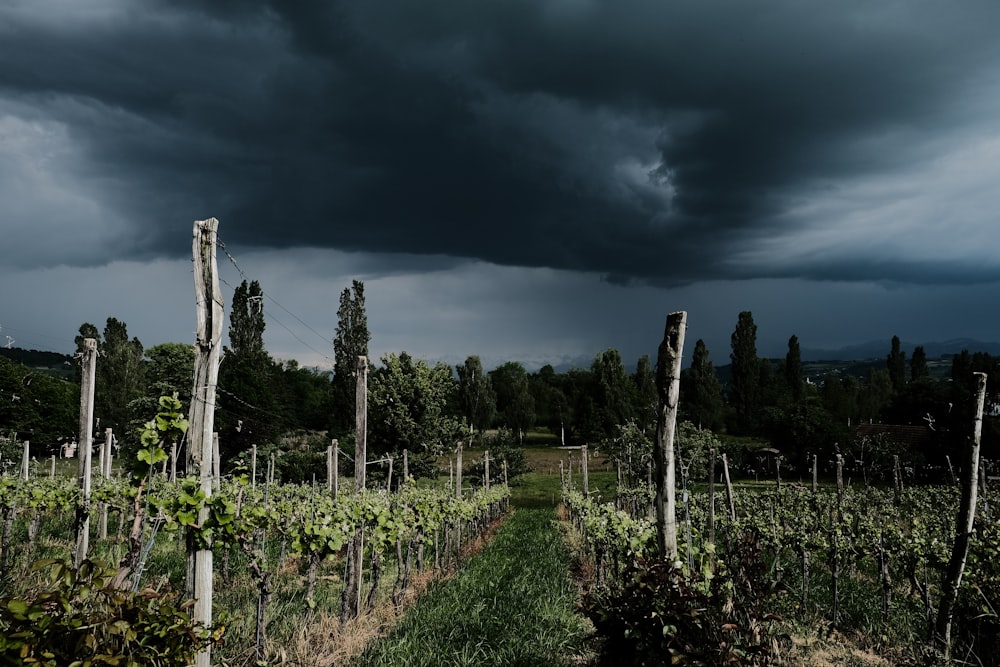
535	180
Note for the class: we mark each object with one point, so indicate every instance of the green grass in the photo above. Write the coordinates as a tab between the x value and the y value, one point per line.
513	604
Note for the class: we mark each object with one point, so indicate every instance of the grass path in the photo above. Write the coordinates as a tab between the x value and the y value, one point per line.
512	604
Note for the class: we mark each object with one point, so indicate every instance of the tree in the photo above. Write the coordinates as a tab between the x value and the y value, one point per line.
613	391
644	393
408	406
701	393
918	364
349	342
169	369
119	379
793	369
896	365
476	395
248	413
515	404
744	389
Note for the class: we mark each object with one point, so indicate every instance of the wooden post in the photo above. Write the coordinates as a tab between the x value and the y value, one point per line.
102	522
458	470
25	460
729	487
585	467
87	379
216	461
352	589
964	525
208	350
711	495
486	468
361	424
270	469
173	461
253	466
505	472
336	467
329	469
52	473
406	465
668	380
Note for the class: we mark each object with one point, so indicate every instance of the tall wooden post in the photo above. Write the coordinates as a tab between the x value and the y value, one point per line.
486	469
406	465
208	350
253	466
965	522
87	380
352	591
105	470
711	495
458	470
336	467
668	382
216	461
329	469
585	468
25	459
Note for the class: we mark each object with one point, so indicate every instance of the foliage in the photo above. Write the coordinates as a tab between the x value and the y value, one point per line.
82	619
744	389
475	394
349	342
613	392
502	446
515	404
408	406
36	406
701	393
896	364
702	618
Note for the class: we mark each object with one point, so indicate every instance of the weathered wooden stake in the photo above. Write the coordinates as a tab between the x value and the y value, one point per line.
586	470
87	380
729	487
406	466
102	522
486	466
253	466
711	495
963	529
352	589
668	377
458	470
25	460
208	350
329	469
336	467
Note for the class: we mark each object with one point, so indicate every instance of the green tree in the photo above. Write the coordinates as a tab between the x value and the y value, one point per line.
918	364
515	404
896	365
349	342
476	395
646	399
248	414
793	369
744	388
701	393
613	391
408	406
170	369
120	380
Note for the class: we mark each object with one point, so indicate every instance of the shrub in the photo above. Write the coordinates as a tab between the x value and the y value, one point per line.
83	619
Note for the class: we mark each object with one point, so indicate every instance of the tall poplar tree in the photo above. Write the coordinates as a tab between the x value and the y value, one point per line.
918	364
793	369
744	388
248	413
475	394
613	391
701	393
645	395
349	342
896	364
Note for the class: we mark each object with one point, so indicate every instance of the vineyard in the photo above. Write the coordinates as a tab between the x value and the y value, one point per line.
864	561
278	547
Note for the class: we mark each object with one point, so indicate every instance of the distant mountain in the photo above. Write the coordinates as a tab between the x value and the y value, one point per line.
879	349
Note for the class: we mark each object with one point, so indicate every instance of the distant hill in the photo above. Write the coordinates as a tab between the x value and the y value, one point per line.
879	349
51	363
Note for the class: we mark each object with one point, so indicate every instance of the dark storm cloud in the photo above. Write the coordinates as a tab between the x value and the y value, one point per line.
643	140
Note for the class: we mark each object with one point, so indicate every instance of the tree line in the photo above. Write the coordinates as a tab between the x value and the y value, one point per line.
426	407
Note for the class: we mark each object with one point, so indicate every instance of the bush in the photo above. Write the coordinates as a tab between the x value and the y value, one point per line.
82	618
662	616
